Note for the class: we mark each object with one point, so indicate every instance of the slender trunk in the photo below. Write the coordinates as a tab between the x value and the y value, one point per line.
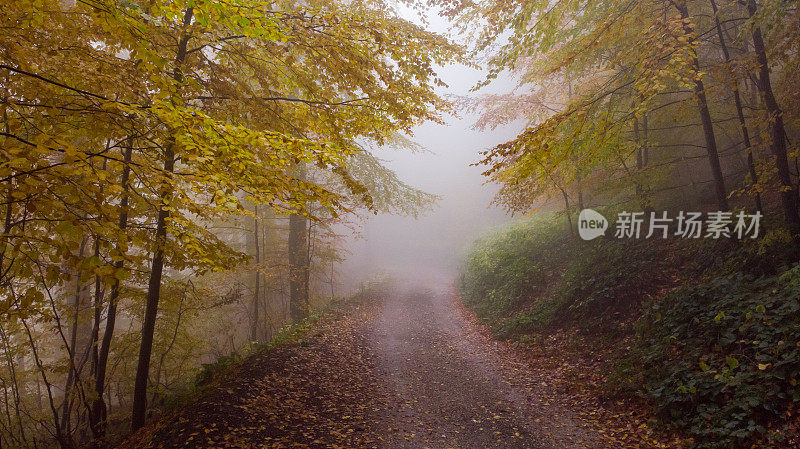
94	337
72	349
151	304
298	266
94	340
98	311
256	289
97	419
645	146
266	325
14	387
298	263
309	258
640	139
570	230
705	115
154	284
737	100
98	299
777	129
639	160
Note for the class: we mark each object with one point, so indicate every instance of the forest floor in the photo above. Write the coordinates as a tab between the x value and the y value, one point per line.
411	371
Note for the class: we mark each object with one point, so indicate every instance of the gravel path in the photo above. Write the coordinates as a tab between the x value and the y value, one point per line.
451	387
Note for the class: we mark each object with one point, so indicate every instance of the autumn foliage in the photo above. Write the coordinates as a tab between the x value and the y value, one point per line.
134	133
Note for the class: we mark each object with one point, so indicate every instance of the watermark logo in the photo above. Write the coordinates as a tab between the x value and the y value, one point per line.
591	224
687	225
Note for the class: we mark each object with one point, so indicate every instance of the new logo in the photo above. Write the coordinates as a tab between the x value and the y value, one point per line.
591	224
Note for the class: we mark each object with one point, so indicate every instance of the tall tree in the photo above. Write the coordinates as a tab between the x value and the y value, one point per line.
702	108
212	94
257	277
788	191
160	242
98	414
627	60
298	266
737	101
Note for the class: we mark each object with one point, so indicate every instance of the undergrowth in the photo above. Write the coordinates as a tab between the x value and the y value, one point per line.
295	333
713	325
722	359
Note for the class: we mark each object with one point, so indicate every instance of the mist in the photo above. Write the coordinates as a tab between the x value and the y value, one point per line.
426	250
189	258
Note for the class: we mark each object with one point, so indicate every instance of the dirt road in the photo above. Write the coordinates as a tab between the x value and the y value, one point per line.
454	388
409	372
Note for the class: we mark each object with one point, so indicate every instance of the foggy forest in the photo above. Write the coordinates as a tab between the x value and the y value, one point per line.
546	224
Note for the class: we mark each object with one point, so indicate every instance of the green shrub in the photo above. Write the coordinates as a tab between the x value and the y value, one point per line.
759	257
533	274
608	280
721	359
538	316
505	269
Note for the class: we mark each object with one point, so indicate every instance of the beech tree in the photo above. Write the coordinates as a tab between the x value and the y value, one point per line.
606	89
151	120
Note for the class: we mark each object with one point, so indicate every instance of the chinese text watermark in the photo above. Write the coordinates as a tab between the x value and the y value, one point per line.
691	225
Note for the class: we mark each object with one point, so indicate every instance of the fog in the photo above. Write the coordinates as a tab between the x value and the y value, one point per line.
426	251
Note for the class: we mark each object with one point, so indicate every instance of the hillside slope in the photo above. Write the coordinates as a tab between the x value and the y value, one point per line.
700	336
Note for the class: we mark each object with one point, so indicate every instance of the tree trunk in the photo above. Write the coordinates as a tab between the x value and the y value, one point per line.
777	130
640	140
638	190
309	258
151	306
705	115
298	267
97	418
256	289
72	349
98	301
737	100
98	311
645	145
156	270
570	230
